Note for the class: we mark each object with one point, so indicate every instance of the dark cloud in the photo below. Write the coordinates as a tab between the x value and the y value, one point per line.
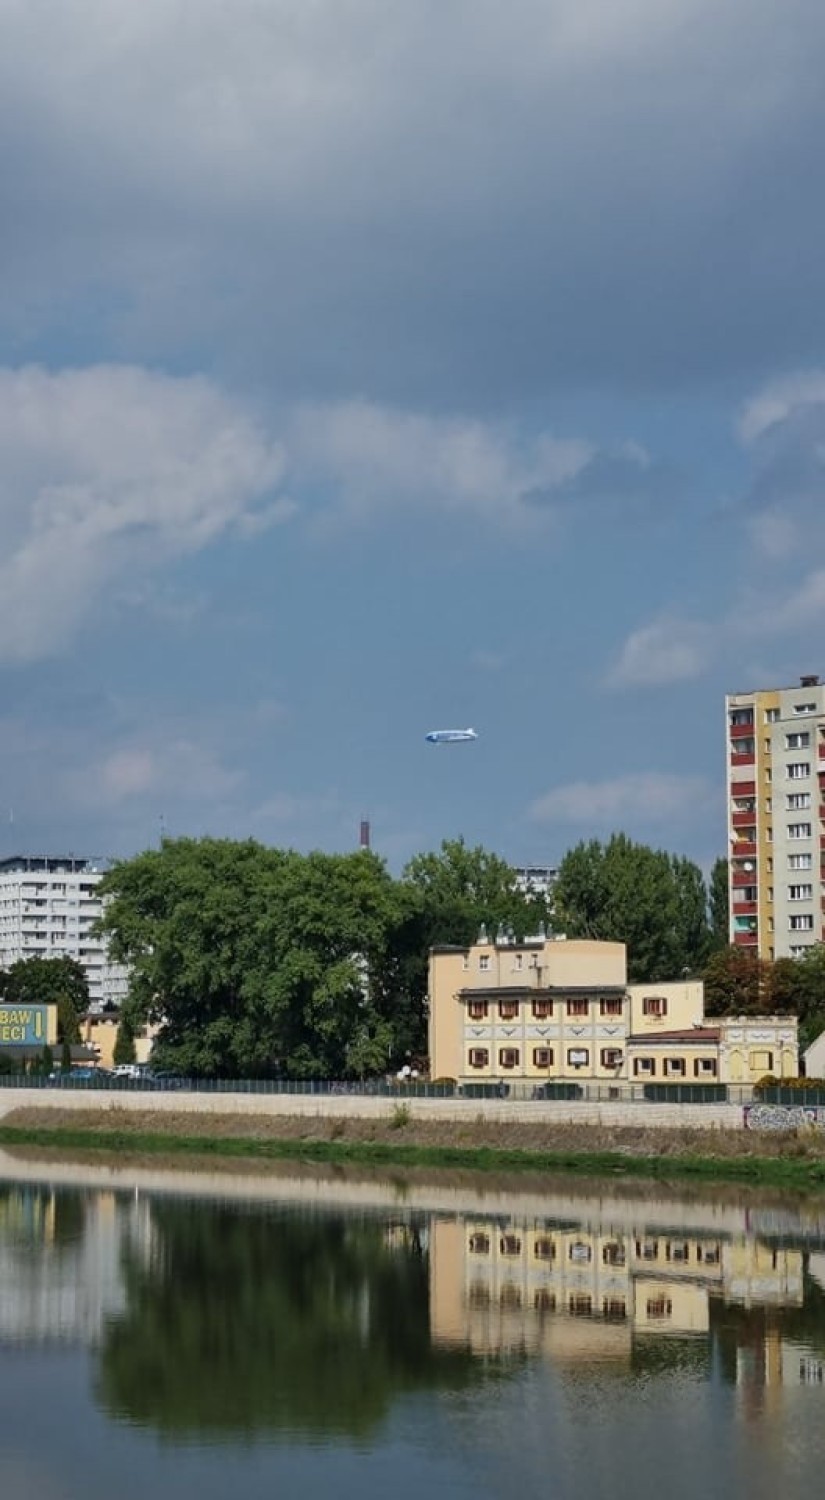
457	205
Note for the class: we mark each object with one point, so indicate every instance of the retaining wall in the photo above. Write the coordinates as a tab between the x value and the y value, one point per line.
351	1106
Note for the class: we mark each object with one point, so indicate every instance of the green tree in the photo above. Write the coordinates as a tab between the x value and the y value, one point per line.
124	1048
735	982
256	962
719	904
654	902
49	981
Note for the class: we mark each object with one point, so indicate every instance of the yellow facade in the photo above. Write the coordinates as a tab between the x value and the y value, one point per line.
100	1033
551	1010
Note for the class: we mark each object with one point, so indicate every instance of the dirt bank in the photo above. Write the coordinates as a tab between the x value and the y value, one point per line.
395	1130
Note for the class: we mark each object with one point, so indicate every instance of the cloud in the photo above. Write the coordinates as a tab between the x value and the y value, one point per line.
374	458
178	769
665	651
626	474
415	200
647	797
780	400
108	472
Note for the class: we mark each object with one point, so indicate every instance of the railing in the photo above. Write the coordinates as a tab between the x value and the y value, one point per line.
567	1090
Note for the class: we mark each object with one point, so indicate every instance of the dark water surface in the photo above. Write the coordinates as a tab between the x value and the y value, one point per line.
219	1335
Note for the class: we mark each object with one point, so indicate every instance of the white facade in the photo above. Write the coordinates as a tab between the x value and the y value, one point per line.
536	880
48	906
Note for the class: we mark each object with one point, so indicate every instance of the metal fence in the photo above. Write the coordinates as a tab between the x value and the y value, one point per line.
516	1090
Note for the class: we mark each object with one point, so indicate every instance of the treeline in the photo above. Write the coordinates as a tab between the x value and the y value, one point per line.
261	962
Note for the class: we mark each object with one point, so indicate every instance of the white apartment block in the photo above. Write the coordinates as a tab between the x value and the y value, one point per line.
48	906
776	818
536	880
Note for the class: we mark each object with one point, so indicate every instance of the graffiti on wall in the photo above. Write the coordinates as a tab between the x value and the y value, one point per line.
784	1117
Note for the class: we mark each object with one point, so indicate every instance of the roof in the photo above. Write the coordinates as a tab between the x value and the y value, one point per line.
702	1034
540	992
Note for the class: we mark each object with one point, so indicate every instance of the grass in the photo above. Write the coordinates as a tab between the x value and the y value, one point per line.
792	1170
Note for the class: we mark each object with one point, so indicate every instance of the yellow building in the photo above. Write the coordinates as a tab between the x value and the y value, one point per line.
557	1010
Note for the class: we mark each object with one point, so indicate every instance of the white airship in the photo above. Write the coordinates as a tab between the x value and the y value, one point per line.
450	736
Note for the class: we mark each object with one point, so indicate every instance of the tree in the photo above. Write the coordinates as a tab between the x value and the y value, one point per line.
124	1048
49	981
257	962
734	983
719	904
654	902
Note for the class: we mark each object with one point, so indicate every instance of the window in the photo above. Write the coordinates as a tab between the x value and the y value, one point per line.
578	1057
647	1249
479	1057
614	1309
518	960
578	1007
799	830
580	1252
795	801
654	1005
771	715
745	893
741	716
767	745
769	864
613	1253
800	892
510	1244
704	1067
479	1244
799	740
477	1010
768	804
762	1061
508	1057
644	1065
800	861
798	770
796	950
743	746
484	962
544	1248
612	1007
659	1308
802	923
508	1010
580	1306
674	1067
678	1251
542	1057
610	1057
802	708
542	1009
544	1301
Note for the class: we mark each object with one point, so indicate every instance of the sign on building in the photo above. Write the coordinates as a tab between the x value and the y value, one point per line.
24	1025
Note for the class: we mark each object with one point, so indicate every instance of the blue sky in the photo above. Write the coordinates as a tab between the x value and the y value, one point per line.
372	368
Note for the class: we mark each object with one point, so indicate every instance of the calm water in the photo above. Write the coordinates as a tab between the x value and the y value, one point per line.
222	1335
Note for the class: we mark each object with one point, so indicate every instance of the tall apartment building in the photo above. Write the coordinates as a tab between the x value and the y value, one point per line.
536	880
776	818
48	905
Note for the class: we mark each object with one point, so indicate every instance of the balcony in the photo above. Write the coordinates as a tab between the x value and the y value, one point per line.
741	731
743	789
745	939
742	759
749	908
743	877
742	849
743	819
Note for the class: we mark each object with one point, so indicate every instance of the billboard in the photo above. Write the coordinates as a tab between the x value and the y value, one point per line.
24	1025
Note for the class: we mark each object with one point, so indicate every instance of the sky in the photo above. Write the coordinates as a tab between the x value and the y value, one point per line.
371	368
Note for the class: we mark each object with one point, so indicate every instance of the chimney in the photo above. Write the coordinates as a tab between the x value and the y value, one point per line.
364	835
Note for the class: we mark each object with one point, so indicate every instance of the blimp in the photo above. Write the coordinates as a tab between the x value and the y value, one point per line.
450	736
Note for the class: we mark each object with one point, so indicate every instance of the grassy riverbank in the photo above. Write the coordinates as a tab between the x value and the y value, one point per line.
787	1161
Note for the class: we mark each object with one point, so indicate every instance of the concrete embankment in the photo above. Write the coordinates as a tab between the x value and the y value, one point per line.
329	1107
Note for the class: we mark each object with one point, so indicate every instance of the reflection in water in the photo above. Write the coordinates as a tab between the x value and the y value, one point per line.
231	1319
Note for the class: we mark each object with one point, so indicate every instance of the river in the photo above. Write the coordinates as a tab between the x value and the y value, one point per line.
258	1332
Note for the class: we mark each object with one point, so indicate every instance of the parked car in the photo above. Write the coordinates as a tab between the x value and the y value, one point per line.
96	1077
129	1070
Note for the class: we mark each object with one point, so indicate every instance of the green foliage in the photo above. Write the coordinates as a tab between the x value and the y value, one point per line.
66	1057
49	981
719	904
400	1117
654	902
124	1048
260	962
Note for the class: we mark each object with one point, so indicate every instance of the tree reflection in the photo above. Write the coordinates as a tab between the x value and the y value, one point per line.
247	1323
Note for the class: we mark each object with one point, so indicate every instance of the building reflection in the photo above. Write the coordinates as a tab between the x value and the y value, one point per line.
573	1293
